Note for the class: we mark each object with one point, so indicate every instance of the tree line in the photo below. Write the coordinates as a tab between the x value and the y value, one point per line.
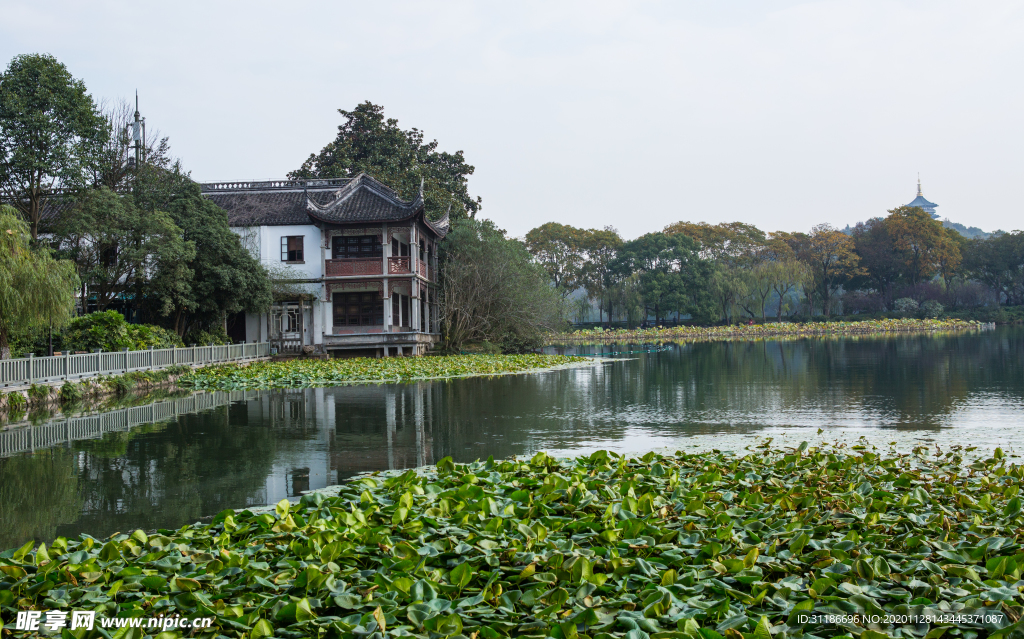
727	272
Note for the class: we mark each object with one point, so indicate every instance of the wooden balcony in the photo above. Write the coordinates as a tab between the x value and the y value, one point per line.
354	266
398	266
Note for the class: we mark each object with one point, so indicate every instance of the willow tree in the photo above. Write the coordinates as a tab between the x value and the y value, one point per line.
35	289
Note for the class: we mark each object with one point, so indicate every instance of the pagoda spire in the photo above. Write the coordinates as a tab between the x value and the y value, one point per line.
919	185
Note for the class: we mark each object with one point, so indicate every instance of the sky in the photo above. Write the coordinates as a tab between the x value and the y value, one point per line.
783	114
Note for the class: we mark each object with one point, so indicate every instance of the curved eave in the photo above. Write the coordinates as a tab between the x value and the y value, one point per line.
438	230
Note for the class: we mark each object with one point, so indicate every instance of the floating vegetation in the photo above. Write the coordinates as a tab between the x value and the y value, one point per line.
308	373
774	329
795	543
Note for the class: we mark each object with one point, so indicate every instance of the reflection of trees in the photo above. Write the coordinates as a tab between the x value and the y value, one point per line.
175	474
37	494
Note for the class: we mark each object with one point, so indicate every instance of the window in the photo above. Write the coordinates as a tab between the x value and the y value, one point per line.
291	248
358	309
355	246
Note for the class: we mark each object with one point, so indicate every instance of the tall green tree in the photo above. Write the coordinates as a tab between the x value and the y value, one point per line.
918	239
50	134
225	277
830	256
673	278
560	250
883	266
367	142
601	247
491	290
734	249
120	251
35	289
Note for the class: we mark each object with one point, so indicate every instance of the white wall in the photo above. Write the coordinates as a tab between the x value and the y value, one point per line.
267	240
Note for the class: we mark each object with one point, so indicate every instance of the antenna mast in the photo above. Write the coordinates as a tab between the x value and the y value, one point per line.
138	134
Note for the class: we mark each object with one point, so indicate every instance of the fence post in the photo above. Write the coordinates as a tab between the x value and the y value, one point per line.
126	359
99	361
151	357
67	364
174	354
31	372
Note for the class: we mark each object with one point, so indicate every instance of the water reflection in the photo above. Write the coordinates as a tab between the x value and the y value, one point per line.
258	448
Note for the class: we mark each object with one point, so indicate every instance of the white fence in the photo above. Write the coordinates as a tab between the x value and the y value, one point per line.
39	370
23	439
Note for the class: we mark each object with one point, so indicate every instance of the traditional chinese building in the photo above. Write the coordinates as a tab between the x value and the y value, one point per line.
361	263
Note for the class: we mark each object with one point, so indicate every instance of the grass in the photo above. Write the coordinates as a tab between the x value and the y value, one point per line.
752	546
775	329
300	373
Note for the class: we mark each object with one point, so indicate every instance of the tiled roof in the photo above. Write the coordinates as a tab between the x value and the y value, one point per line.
337	201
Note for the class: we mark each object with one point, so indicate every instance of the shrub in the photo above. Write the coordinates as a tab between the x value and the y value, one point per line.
38	392
932	308
905	305
109	331
16	402
212	337
123	384
70	393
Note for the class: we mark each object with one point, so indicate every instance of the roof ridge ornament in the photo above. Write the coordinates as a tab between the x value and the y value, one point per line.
919	185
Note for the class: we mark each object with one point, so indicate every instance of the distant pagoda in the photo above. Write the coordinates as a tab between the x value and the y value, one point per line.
920	202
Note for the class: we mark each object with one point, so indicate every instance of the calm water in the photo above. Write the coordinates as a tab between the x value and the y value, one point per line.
272	445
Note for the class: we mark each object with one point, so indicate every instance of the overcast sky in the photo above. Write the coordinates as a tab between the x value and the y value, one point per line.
634	114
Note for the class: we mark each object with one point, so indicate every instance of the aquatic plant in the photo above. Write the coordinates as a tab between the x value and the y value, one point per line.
305	373
795	543
759	331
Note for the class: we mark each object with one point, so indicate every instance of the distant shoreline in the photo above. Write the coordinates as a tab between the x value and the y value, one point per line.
775	329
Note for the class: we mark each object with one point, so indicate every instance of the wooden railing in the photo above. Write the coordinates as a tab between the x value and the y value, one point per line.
398	265
354	266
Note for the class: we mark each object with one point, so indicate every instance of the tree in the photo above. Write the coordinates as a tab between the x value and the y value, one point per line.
733	247
369	143
882	264
785	273
35	289
50	132
672	275
118	250
917	238
225	277
832	260
559	249
491	290
600	247
998	262
949	255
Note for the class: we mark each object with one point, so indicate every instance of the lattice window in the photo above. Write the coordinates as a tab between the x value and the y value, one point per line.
351	246
358	309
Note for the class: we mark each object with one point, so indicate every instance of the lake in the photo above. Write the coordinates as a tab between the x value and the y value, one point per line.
172	463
